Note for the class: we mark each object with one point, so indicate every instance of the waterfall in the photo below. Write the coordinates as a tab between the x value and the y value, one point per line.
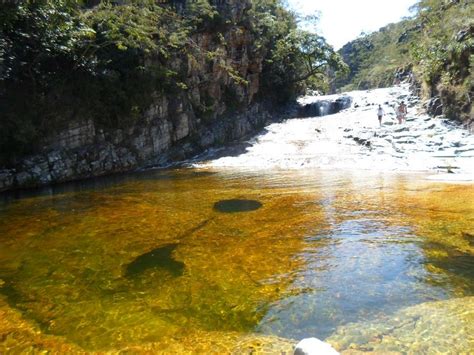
322	107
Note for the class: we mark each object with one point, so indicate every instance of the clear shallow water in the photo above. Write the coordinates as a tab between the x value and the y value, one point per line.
148	260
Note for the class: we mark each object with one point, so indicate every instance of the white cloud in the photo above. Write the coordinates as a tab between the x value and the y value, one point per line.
343	20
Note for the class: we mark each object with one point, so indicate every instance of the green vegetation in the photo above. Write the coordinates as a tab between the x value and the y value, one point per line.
374	58
444	54
297	59
436	45
62	61
66	60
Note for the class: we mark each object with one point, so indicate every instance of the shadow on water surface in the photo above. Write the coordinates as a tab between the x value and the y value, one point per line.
158	259
237	205
103	182
459	265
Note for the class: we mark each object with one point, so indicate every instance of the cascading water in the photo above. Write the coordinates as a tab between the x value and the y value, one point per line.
315	106
352	139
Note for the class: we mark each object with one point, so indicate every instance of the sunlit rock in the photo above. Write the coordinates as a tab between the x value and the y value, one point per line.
314	346
422	143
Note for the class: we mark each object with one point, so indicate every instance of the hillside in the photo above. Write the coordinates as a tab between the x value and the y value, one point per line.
434	49
374	58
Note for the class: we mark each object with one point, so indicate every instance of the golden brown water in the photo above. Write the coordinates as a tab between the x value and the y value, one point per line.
151	263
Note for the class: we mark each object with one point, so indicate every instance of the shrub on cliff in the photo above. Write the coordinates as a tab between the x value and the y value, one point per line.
38	43
61	61
444	54
374	58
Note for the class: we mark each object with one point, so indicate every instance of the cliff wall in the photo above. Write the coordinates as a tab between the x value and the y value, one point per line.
218	106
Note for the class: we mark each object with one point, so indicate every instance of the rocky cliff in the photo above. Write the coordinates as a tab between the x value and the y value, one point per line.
218	106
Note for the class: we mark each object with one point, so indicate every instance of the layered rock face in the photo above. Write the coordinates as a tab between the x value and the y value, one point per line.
218	106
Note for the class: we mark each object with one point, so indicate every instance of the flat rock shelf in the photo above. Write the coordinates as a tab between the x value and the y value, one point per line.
352	139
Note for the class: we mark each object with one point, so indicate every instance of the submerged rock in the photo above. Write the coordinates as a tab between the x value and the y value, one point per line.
468	236
21	336
236	205
263	344
159	258
444	325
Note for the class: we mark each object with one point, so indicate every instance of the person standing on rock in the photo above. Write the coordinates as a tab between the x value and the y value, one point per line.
402	112
380	113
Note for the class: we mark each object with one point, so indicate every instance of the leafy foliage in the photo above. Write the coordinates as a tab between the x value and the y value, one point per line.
444	48
38	42
296	59
65	62
62	60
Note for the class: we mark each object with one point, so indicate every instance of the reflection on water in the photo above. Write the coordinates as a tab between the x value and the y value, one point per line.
154	261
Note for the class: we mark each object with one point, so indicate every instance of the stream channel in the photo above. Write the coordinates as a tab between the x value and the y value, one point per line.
222	259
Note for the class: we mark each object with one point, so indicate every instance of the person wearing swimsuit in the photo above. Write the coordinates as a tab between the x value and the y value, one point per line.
401	112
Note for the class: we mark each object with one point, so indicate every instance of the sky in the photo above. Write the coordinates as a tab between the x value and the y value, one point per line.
344	20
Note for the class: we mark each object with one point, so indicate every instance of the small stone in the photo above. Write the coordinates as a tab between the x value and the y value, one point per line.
401	129
314	346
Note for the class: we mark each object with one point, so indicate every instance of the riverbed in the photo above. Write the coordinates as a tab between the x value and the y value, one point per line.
319	252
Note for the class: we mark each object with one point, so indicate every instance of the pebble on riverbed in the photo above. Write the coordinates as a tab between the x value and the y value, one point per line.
467	236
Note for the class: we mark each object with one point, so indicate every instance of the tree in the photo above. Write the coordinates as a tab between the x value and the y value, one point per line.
296	59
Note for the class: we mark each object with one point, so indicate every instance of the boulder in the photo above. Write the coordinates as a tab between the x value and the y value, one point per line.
435	107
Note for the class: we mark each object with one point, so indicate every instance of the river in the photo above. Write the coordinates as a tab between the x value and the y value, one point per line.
239	258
